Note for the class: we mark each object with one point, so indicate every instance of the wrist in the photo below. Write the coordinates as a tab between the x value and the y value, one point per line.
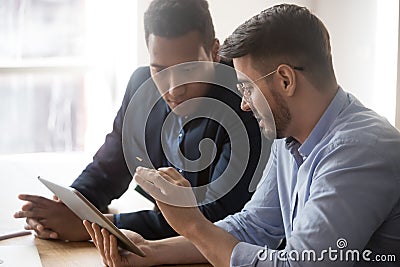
157	253
110	217
197	228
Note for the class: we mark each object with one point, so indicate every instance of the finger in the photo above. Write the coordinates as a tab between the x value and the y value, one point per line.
144	179
27	206
170	171
46	234
163	177
145	173
89	229
99	239
39	227
147	186
114	253
55	198
163	190
41	230
177	178
32	213
23	214
167	177
170	186
34	199
144	169
106	244
167	192
154	177
28	227
34	223
44	222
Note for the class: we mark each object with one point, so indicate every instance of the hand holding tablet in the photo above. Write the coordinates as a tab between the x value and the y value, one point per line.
87	211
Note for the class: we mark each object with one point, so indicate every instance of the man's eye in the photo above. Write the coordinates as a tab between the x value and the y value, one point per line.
156	69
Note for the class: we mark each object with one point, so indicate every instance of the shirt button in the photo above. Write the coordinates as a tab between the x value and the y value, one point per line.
180	135
180	171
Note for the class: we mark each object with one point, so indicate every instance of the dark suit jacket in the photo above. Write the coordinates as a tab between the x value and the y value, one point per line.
108	176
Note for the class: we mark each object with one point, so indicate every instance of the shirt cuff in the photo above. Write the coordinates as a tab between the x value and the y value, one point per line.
245	254
117	220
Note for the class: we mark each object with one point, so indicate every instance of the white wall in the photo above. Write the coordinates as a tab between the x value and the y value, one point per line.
364	39
227	16
142	57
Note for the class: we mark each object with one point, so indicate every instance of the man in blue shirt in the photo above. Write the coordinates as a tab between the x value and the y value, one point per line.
331	186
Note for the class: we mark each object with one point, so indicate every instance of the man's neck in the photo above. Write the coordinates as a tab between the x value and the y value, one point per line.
309	112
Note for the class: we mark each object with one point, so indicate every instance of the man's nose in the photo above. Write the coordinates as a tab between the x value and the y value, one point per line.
175	86
177	91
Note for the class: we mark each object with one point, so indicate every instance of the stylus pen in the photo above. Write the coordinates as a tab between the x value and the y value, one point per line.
144	163
14	234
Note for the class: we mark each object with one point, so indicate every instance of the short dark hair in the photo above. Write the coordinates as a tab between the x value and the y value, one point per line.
284	32
175	18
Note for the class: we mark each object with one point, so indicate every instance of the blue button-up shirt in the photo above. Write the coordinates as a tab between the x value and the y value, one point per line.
172	136
341	201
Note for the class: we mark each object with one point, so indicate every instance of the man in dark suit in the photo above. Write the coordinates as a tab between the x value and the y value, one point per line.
176	31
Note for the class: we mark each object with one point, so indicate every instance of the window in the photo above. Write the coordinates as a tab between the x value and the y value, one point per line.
63	72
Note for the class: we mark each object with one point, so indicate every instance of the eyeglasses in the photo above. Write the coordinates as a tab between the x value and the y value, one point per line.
246	88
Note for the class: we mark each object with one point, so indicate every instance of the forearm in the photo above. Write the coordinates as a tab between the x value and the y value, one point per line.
176	250
213	242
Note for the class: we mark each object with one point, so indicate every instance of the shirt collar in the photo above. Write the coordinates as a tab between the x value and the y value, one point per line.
320	129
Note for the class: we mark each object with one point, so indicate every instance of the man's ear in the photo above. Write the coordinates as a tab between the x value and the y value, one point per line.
215	50
287	79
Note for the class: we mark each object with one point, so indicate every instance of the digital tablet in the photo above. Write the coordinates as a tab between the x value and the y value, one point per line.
87	211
